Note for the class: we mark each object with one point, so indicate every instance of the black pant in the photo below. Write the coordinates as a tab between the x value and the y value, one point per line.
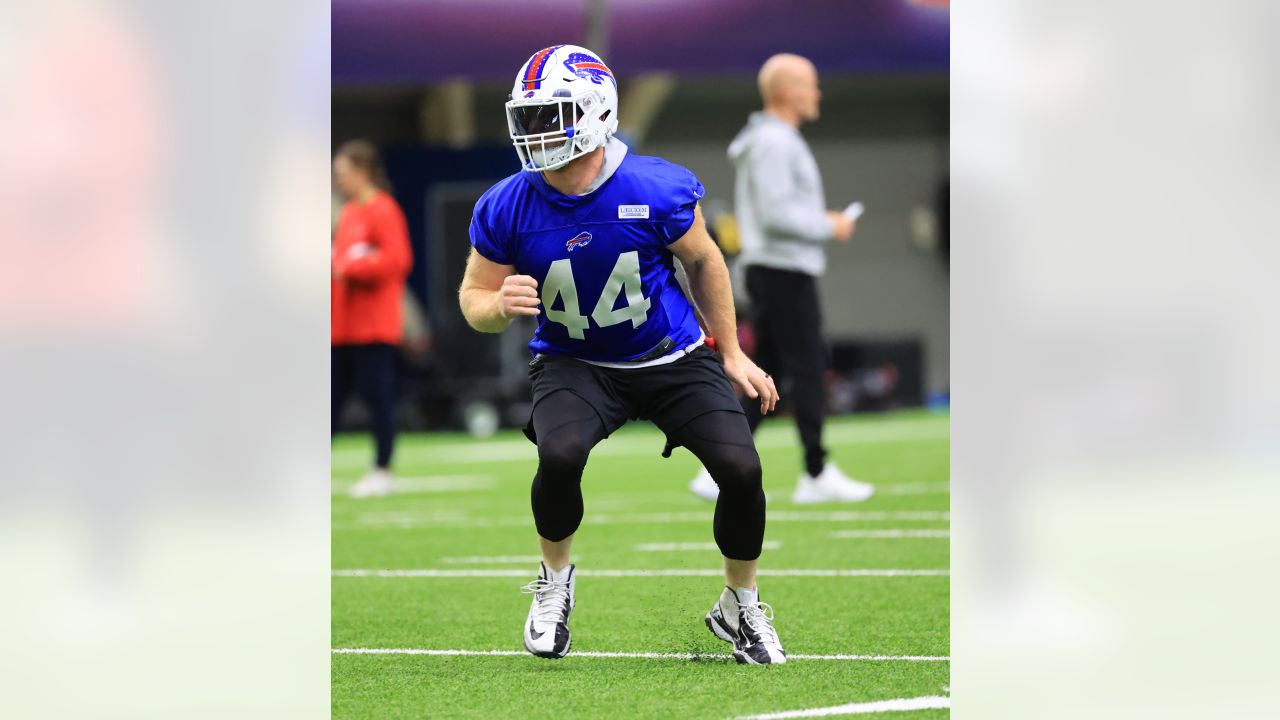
371	368
789	346
576	405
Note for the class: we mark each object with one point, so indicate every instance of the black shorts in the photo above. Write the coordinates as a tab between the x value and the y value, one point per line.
668	395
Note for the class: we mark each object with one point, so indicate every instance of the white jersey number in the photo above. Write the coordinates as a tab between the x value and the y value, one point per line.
624	278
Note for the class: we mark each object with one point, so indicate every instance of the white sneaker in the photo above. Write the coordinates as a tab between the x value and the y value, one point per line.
546	631
831	485
739	617
375	483
704	486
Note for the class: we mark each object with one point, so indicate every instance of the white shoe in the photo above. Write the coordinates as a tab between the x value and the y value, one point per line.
831	485
375	483
705	487
739	617
546	631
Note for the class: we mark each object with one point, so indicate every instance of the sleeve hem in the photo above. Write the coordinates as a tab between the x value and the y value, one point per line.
488	255
677	237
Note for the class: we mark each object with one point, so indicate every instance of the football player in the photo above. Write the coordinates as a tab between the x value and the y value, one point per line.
585	239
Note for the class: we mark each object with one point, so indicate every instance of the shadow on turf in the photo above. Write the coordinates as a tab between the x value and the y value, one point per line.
695	657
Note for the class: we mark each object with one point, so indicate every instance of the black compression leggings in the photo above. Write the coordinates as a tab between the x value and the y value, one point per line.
567	428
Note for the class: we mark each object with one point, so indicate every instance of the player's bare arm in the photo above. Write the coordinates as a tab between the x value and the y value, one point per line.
709	283
682	277
492	295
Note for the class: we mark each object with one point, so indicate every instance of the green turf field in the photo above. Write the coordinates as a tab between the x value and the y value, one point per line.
463	518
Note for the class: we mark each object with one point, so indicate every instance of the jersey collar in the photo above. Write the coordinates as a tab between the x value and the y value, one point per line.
615	151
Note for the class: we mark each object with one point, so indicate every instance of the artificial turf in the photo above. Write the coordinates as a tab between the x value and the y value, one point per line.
466	508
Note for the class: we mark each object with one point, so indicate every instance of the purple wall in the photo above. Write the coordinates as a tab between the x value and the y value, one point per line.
386	42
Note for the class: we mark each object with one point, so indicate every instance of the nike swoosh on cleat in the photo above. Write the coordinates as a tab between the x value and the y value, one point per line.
534	633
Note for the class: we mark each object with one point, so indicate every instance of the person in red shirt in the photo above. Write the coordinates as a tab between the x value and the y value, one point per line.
371	259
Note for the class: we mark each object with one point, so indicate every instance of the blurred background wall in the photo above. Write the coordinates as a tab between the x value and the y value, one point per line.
426	81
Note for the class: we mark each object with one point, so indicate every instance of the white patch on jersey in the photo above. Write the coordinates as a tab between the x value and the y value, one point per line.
633	212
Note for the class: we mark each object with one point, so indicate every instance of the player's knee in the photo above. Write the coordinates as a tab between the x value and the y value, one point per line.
559	454
738	473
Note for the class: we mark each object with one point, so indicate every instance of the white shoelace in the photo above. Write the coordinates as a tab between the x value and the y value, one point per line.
552	598
759	617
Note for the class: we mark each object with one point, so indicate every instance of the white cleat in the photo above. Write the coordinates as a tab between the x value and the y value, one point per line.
375	483
546	630
741	619
704	486
831	485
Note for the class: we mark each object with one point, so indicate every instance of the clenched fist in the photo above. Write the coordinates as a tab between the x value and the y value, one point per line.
519	296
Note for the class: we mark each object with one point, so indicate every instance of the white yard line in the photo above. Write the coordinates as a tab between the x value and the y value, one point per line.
683	546
491	559
409	519
669	572
431	484
933	488
891	533
640	655
854	516
930	702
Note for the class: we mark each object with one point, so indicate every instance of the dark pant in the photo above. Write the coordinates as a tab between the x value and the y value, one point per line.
576	405
568	428
372	369
789	346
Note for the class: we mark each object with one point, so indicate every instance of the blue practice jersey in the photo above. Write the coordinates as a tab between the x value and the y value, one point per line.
605	276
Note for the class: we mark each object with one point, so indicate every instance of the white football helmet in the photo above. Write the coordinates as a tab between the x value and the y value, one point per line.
563	106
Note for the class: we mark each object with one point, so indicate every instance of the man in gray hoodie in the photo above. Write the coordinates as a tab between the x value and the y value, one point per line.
785	229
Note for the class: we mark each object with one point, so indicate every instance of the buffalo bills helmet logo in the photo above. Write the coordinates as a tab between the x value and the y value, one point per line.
590	68
582	239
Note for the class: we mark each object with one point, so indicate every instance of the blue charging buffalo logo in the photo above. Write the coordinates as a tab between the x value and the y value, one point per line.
589	68
582	239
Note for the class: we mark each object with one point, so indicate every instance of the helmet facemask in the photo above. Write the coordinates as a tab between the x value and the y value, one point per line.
548	133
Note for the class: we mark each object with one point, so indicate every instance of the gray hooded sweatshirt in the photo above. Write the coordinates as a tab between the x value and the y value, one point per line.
782	213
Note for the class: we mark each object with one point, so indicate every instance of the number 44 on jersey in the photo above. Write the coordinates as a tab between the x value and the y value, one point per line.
624	278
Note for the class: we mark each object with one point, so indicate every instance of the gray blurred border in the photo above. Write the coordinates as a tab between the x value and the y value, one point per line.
164	213
1115	449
